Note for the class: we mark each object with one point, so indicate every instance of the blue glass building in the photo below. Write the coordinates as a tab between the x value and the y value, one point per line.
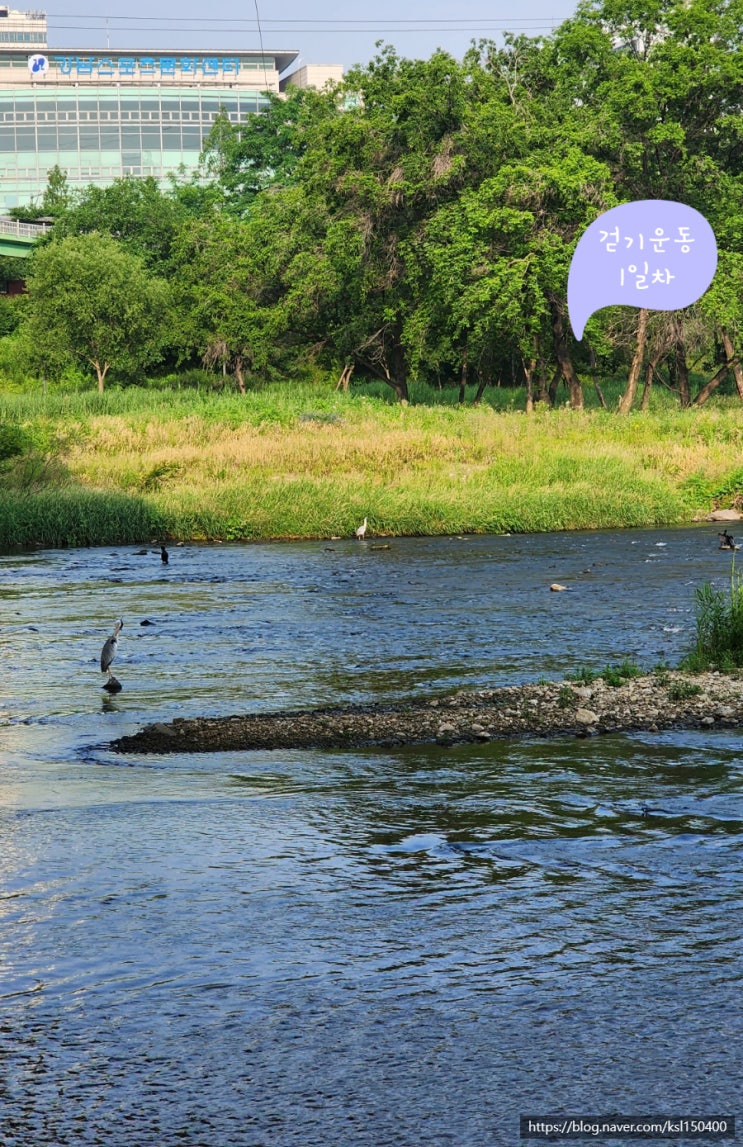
101	115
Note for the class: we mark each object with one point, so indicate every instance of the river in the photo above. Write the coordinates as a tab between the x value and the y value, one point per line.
408	947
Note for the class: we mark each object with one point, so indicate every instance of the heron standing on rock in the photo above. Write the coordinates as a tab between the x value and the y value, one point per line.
109	650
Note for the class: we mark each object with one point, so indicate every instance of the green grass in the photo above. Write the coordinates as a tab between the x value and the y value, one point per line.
616	675
63	518
306	461
683	690
719	625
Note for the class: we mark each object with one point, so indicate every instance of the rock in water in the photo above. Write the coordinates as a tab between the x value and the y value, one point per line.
557	588
725	516
113	686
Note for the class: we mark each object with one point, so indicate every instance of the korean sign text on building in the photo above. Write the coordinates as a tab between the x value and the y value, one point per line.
142	66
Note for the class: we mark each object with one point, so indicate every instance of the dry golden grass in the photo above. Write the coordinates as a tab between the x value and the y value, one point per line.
121	453
235	470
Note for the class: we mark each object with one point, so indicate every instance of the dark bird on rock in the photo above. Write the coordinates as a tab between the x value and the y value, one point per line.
109	649
727	541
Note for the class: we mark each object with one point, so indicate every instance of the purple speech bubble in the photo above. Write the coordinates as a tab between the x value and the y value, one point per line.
653	253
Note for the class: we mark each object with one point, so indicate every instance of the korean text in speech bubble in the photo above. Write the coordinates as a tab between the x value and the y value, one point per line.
653	253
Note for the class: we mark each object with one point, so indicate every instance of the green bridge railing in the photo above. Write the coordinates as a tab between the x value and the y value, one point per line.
18	238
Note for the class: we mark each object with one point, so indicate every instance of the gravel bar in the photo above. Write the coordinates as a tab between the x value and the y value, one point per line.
658	701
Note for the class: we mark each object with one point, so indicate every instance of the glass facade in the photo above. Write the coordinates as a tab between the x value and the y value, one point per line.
97	133
102	115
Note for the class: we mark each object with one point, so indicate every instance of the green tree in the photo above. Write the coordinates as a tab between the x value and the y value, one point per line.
57	196
654	89
496	266
137	213
56	199
92	303
368	178
266	148
218	285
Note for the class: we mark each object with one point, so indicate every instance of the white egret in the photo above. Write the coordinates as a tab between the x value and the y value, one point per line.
361	530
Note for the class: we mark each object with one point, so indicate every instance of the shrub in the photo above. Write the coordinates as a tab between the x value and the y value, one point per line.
683	690
13	441
719	638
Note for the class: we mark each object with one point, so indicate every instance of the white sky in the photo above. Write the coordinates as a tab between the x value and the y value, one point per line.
324	32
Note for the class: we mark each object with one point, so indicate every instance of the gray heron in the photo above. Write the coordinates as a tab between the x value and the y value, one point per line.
109	649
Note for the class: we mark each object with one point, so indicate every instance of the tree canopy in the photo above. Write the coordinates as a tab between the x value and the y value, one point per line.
419	220
92	303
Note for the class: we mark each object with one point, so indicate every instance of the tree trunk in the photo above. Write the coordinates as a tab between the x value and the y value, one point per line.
482	383
529	375
729	355
101	372
552	390
239	374
398	363
645	400
714	382
625	402
596	386
345	377
542	390
400	389
682	368
463	378
652	367
563	357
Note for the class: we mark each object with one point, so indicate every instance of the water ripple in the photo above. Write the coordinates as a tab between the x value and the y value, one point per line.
374	947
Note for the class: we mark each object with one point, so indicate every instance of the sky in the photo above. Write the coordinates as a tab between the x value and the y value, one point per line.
323	32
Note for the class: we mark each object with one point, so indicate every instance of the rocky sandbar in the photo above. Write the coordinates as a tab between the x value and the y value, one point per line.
657	701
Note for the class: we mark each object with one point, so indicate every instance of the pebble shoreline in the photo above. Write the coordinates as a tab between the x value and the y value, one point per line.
654	702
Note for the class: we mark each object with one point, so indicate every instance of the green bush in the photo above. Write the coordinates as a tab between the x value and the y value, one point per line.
566	697
13	441
719	637
9	315
683	690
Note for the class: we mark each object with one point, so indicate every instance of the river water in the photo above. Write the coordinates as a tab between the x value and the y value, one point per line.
408	947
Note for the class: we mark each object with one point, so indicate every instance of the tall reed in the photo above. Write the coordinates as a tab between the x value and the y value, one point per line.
719	627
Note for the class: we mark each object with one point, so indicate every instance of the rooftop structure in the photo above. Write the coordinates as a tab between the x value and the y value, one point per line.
313	76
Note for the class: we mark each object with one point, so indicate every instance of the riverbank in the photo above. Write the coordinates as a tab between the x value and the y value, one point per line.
133	466
657	701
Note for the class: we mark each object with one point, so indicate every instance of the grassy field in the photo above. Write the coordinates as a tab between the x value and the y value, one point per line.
286	462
